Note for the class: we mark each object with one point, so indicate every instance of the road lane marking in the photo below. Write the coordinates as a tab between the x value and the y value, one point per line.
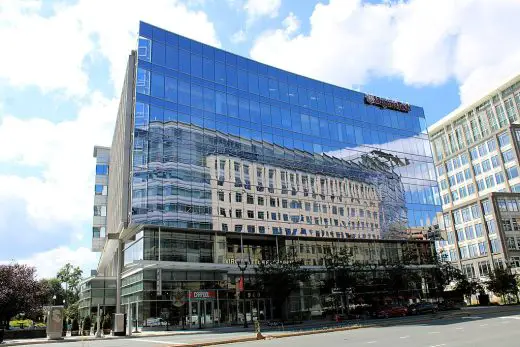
158	342
434	332
371	342
459	328
442	344
405	337
484	325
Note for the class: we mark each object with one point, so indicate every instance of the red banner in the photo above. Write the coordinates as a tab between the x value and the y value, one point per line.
241	284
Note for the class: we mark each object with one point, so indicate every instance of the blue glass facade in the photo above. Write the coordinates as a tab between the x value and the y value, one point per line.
225	143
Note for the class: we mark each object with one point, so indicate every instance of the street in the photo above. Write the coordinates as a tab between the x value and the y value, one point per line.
503	331
483	328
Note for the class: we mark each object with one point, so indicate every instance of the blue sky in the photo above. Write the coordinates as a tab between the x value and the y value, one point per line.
62	74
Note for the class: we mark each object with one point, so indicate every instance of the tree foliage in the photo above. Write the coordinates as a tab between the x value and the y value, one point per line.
502	282
20	292
52	287
70	276
467	287
279	277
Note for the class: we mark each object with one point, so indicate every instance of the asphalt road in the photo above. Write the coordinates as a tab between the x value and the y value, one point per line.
481	329
501	331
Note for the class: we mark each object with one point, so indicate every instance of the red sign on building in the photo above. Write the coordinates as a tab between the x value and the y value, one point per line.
385	103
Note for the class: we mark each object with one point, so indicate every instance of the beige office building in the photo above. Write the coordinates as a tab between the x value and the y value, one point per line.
476	151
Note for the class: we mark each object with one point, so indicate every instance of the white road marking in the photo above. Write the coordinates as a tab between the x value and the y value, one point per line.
434	332
371	341
484	325
442	344
459	328
405	337
158	342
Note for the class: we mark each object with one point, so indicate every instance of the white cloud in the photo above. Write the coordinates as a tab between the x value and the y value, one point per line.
46	52
261	8
291	23
49	52
425	42
63	152
49	262
239	36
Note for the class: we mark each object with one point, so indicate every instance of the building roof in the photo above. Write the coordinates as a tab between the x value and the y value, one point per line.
464	108
100	148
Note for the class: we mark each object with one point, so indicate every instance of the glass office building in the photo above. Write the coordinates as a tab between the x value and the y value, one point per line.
228	157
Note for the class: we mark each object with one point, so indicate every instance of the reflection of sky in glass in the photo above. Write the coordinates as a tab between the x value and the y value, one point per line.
282	117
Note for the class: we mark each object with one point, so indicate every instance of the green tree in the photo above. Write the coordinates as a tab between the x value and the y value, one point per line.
441	275
20	292
52	288
70	276
340	273
502	282
72	311
278	278
466	287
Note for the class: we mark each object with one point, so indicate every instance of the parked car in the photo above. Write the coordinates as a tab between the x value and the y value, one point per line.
392	311
423	307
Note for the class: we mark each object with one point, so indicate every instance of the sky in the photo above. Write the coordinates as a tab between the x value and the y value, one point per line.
62	67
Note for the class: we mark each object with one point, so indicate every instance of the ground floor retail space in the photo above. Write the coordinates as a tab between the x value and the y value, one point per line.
201	309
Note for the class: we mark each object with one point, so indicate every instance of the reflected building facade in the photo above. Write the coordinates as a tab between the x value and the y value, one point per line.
217	157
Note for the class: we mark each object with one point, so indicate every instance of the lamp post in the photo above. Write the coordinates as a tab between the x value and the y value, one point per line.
242	265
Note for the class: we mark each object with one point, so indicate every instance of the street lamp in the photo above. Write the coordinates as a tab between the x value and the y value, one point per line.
242	265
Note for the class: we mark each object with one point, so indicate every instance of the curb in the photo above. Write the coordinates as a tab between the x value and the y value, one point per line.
267	337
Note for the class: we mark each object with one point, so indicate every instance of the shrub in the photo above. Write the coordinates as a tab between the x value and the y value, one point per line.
87	323
75	325
107	322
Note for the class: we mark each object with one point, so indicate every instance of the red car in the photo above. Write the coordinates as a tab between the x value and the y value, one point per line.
392	311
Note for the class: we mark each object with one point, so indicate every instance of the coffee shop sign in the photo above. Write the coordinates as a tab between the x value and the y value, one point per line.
386	103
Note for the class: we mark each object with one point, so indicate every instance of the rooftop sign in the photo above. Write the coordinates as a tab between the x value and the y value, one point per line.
385	103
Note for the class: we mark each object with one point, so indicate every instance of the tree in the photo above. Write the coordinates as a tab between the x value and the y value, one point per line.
502	282
52	288
279	277
466	287
20	292
72	311
341	273
442	274
70	276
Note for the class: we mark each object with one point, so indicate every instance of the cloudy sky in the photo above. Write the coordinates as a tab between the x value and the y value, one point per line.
62	66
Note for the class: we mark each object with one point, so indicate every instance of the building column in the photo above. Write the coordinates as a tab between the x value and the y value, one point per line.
119	269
